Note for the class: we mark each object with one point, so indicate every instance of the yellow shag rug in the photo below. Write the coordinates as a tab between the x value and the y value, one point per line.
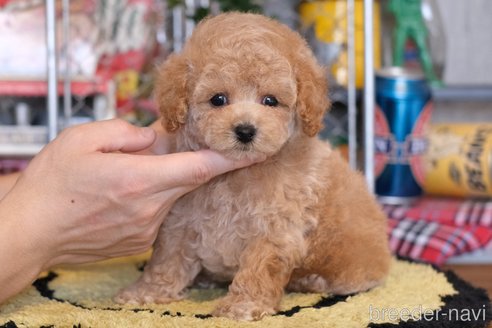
81	296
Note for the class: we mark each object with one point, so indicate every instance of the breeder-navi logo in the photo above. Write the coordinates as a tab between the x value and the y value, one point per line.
425	314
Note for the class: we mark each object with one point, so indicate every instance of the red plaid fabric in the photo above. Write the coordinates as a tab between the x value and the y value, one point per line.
434	229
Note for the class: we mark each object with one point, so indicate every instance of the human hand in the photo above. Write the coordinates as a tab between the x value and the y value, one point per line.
111	204
164	142
85	197
7	181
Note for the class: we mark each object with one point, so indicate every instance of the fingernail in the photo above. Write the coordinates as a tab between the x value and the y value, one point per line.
250	161
258	158
147	132
261	158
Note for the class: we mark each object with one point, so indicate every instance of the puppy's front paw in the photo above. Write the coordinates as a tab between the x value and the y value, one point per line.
236	308
145	293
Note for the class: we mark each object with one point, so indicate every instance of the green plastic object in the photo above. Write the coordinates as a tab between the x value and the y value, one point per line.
410	24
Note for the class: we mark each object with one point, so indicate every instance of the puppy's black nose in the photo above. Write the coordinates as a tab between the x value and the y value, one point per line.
245	133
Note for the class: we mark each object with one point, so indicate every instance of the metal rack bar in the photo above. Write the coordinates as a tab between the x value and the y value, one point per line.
369	94
67	90
52	69
351	87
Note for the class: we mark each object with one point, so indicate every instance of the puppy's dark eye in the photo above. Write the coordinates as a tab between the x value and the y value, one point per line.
270	101
218	100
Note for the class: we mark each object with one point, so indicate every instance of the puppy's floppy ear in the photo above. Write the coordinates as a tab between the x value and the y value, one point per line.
170	92
312	94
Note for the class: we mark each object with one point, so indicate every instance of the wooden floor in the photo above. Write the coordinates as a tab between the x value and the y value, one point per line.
477	275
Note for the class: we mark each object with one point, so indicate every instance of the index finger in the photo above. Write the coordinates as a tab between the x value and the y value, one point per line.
108	136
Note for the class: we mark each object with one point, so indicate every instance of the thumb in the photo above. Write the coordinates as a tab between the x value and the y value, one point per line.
191	169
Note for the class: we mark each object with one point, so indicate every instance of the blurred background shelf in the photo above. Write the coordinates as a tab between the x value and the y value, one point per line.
39	87
21	150
463	93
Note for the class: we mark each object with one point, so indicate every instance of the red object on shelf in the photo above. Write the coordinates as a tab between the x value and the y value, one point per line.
40	87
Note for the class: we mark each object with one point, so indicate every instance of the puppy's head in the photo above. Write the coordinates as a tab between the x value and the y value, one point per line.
243	85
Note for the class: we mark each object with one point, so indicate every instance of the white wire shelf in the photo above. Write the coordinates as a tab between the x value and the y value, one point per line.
463	93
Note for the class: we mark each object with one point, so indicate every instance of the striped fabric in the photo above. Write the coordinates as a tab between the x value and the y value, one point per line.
434	229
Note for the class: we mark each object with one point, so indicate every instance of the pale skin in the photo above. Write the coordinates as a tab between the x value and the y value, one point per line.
98	191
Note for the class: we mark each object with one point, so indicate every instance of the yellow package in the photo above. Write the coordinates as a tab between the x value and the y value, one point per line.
329	20
459	160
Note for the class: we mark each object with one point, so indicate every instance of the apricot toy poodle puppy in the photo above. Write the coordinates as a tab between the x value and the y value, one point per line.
247	86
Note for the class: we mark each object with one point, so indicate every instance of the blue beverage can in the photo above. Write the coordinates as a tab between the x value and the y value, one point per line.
403	115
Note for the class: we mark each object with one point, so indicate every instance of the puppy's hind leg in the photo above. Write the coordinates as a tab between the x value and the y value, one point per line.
172	267
349	276
309	283
358	263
